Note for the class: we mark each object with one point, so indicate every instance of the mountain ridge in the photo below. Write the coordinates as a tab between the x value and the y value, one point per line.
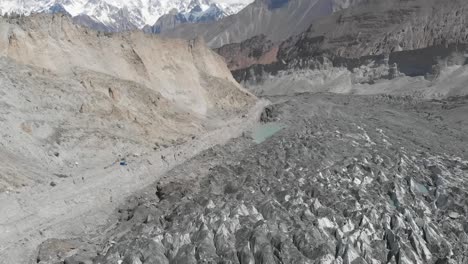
117	15
277	20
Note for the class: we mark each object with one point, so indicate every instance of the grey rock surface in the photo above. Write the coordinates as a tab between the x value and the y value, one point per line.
382	27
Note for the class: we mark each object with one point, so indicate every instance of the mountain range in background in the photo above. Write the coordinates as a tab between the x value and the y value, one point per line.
119	15
219	22
276	19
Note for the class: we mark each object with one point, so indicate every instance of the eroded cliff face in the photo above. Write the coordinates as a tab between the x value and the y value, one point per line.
375	40
381	27
377	27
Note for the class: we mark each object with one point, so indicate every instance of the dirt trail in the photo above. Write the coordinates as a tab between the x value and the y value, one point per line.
81	204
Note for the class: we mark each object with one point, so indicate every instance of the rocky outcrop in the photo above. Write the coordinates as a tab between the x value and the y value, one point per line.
257	50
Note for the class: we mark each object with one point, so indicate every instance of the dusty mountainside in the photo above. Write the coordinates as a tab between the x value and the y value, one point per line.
66	89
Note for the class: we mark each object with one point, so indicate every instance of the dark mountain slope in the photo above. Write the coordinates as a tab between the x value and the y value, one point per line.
277	20
415	35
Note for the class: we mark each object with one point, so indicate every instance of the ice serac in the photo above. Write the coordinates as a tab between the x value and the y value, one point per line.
74	88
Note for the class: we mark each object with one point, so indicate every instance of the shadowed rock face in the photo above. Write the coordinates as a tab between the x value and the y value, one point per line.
412	37
350	180
382	27
165	22
257	50
420	62
276	19
273	4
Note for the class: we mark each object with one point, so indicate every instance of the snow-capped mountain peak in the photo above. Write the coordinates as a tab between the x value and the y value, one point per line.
138	12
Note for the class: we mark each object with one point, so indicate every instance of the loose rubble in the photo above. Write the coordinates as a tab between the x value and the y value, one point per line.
348	181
